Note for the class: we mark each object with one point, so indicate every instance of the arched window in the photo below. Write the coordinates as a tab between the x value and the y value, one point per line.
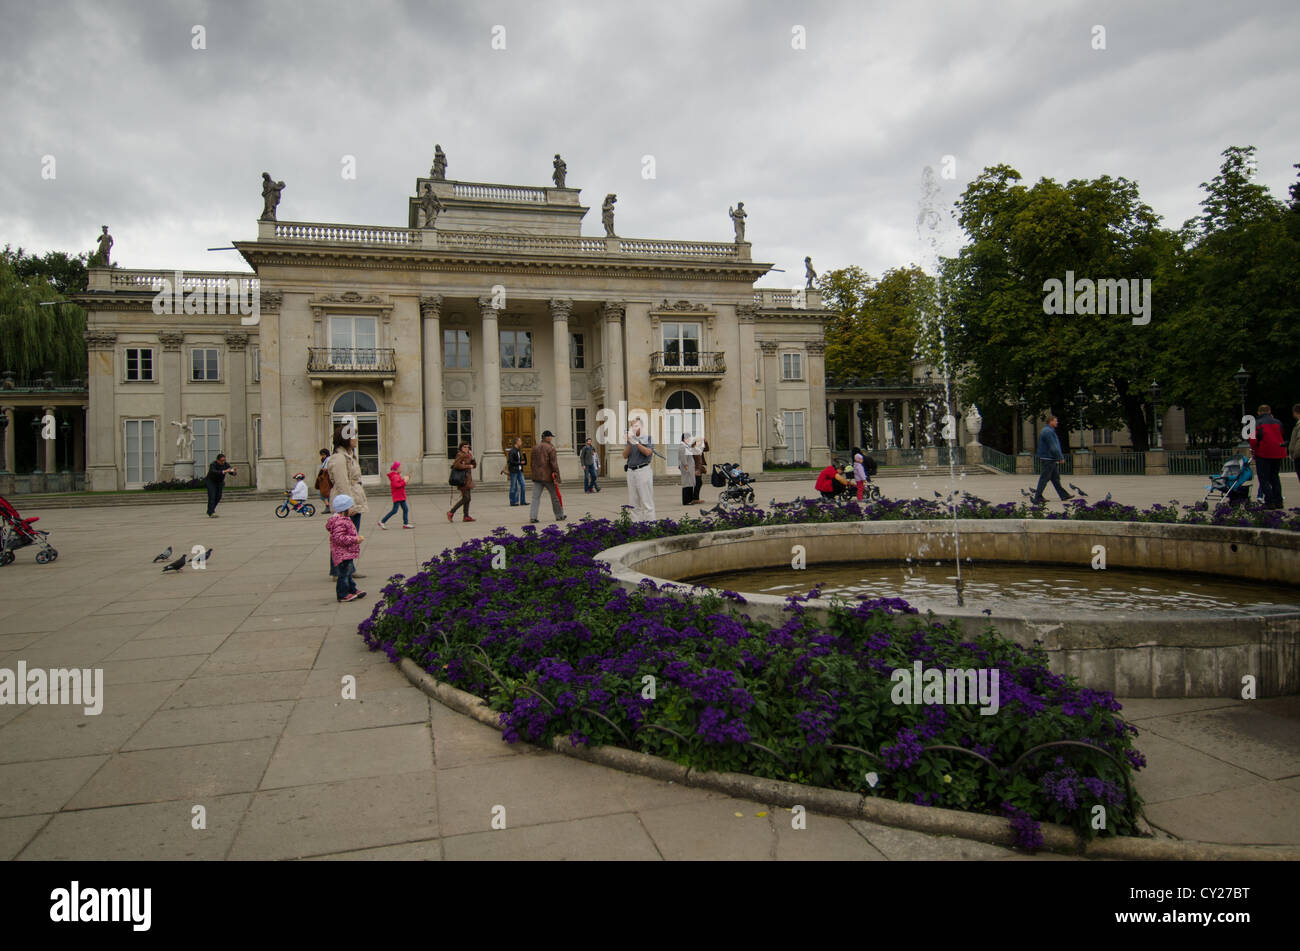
683	413
354	401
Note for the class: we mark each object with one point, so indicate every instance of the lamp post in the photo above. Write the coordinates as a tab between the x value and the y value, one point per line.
1155	416
1081	398
862	423
830	425
1242	378
65	429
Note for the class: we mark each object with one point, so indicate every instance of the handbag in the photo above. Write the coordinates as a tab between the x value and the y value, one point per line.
458	477
324	484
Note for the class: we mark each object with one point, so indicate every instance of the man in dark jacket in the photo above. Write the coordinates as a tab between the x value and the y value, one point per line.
546	477
216	481
1050	455
1269	450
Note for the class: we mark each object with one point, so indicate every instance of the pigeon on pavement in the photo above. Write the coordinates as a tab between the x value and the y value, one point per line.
164	556
176	565
206	555
1107	498
1082	493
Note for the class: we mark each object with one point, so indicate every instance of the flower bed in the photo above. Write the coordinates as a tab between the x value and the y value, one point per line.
535	625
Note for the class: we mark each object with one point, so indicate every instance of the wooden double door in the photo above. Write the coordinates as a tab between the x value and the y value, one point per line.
517	422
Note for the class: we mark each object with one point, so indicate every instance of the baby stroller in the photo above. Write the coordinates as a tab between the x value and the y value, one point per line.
17	532
737	486
1233	483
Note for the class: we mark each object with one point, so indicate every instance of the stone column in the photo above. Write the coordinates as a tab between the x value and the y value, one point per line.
613	338
819	448
236	440
491	454
879	441
563	428
101	454
771	405
6	464
50	447
906	441
170	370
434	464
271	474
751	436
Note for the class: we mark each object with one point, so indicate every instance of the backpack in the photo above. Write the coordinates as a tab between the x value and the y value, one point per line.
324	484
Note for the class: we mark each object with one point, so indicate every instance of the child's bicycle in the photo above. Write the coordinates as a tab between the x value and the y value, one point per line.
284	508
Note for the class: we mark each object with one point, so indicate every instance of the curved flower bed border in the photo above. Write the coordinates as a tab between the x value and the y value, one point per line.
796	686
834	802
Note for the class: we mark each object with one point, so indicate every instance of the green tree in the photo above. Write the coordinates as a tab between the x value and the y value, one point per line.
877	323
36	339
994	294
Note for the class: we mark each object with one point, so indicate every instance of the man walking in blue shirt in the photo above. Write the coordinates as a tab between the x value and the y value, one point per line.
1050	455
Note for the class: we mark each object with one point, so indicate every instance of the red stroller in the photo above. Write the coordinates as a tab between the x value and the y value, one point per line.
17	532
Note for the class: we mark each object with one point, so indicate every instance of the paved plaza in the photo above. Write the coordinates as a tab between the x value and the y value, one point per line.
223	690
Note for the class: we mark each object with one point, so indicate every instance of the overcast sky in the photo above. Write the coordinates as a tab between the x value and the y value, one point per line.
825	145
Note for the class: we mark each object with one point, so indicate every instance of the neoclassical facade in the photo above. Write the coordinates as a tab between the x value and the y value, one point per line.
489	315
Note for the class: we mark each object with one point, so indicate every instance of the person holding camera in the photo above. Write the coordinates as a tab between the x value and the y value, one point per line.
640	477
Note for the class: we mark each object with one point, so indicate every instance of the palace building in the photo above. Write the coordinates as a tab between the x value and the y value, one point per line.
486	315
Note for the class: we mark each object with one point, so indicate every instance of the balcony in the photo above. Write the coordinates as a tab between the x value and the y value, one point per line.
704	365
336	363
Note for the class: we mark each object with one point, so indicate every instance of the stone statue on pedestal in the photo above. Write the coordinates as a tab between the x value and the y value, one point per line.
100	257
270	197
430	206
778	424
560	171
738	220
607	215
439	171
809	274
184	442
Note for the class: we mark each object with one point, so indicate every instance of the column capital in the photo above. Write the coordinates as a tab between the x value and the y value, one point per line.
488	309
561	309
236	341
100	339
745	313
171	340
270	300
431	306
816	346
768	347
613	311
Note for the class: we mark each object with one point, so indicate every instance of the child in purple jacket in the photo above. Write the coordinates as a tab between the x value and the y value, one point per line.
345	547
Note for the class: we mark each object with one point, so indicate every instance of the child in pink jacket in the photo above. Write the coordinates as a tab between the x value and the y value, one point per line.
397	484
345	547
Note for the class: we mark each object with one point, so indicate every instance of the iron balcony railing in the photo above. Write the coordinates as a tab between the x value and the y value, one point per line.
698	363
351	360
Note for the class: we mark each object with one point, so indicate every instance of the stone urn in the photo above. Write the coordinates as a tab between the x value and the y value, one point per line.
974	423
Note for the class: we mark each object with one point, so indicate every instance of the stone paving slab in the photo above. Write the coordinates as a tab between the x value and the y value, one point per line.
231	676
428	850
331	817
191	773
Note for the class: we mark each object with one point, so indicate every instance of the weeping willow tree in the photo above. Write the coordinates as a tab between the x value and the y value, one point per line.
35	340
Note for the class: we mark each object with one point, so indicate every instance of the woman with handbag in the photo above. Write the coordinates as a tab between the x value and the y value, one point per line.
686	465
463	479
701	465
345	477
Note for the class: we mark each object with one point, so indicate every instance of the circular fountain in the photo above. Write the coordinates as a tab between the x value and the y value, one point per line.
1150	644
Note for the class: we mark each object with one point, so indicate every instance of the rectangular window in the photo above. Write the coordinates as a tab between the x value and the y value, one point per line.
139	365
203	364
257	438
516	349
758	367
458	430
577	352
455	349
353	341
207	443
792	366
681	344
579	426
255	355
796	450
140	451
